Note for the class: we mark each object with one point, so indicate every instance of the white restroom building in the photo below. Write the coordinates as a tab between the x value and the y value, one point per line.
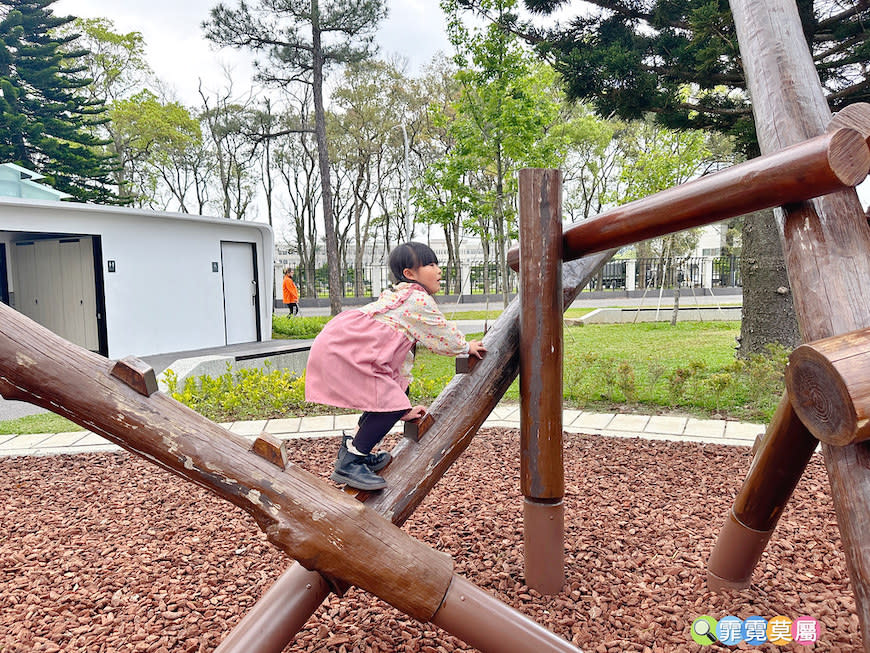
122	281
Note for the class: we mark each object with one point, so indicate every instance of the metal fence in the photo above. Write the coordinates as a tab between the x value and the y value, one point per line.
468	279
647	273
480	279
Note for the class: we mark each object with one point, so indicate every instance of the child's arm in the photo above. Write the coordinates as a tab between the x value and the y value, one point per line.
427	324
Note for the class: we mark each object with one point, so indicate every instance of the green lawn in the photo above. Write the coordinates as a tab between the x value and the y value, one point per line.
649	368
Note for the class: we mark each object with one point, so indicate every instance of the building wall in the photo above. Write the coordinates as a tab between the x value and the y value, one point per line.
163	296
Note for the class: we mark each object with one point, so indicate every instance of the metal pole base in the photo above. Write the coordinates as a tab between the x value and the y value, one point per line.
544	539
738	549
279	614
490	626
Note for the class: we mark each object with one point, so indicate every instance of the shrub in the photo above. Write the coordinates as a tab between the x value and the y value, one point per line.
297	327
244	394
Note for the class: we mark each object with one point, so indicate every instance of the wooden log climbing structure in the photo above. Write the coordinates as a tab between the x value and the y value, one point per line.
826	242
808	160
417	465
313	522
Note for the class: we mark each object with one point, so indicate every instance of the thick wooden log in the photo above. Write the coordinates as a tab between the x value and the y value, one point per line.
826	241
462	407
829	384
311	521
821	165
540	193
542	475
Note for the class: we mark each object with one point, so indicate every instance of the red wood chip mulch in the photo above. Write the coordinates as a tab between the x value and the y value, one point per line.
106	552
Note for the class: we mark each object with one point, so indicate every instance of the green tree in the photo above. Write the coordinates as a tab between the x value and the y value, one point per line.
115	63
633	58
159	145
596	154
301	40
508	102
372	106
47	122
659	158
228	122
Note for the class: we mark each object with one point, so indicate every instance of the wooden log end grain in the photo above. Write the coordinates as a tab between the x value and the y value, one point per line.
855	116
821	398
849	156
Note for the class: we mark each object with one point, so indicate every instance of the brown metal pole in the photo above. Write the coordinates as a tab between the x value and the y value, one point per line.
542	477
279	614
821	165
492	627
826	242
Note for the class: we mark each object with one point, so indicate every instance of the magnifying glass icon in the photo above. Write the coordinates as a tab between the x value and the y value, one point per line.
702	628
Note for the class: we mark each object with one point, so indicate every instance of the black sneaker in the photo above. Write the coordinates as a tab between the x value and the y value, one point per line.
351	470
374	461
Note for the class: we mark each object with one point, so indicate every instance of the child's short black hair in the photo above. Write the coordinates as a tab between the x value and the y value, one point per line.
410	255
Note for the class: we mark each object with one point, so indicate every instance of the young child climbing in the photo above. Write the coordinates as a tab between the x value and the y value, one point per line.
362	359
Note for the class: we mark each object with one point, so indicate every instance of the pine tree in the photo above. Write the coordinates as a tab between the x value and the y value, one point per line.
46	121
679	59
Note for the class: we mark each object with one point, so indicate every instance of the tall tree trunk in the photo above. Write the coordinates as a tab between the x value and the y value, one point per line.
332	259
768	309
357	234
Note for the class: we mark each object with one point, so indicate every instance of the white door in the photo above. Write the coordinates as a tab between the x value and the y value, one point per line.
240	292
79	299
55	285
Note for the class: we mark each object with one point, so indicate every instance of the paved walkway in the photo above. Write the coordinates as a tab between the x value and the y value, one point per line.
656	427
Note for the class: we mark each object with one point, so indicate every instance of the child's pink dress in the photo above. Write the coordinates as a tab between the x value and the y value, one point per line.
363	357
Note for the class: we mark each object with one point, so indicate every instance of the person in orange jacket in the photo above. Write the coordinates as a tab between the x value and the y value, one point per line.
291	293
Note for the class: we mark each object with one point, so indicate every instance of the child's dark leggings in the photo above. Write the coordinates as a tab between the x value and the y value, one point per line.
372	429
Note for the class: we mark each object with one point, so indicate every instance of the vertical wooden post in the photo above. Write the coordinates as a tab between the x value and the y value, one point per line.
543	478
826	241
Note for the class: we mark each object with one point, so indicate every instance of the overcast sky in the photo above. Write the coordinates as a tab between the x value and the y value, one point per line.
180	55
